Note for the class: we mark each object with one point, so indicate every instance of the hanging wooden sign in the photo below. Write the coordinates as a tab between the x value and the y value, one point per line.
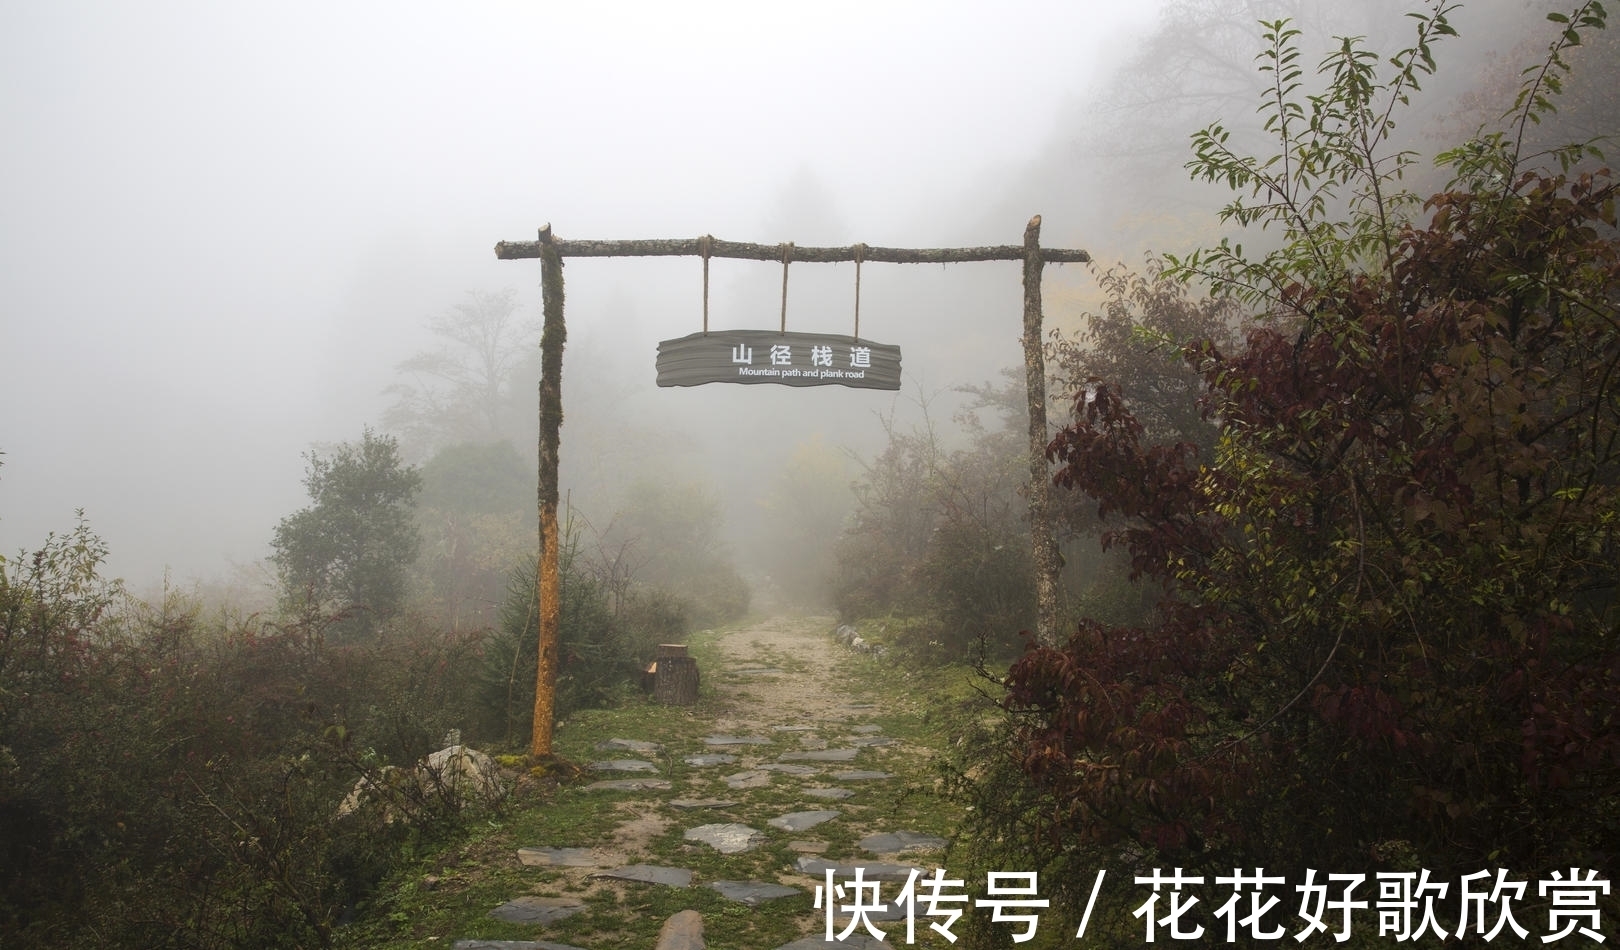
771	356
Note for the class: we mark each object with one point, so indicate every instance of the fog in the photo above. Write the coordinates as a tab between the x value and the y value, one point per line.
225	227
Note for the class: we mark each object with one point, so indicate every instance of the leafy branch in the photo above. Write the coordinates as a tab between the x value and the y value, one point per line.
1327	143
1491	158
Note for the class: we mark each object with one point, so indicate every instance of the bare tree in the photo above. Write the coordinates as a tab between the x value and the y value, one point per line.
458	391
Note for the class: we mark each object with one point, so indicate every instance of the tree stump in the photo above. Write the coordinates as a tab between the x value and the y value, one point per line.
676	682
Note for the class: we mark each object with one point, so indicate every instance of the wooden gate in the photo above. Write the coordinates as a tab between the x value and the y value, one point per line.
550	250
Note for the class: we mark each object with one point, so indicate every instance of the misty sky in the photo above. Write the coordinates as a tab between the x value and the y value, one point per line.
225	224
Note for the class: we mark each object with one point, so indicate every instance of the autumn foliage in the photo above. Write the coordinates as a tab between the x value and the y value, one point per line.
1390	634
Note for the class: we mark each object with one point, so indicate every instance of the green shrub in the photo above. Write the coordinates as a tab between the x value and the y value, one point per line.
171	781
594	659
942	535
981	584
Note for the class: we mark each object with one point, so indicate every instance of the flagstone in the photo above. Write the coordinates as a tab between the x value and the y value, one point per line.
694	803
629	745
559	858
749	779
511	945
735	740
897	841
861	775
629	785
871	870
683	931
833	793
752	893
893	910
855	941
820	755
649	874
710	758
802	820
788	769
537	910
624	765
727	838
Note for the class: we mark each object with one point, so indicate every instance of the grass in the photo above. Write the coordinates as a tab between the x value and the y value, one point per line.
447	893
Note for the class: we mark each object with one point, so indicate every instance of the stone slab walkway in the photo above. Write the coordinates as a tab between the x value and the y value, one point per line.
744	784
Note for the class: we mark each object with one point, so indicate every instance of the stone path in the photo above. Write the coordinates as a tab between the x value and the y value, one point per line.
798	744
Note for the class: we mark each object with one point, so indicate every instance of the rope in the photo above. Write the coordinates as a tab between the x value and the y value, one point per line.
787	255
860	252
705	245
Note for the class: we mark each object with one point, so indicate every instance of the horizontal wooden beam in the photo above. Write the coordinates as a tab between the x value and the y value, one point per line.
693	247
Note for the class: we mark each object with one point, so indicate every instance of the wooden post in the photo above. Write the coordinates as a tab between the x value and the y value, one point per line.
549	583
1048	561
676	682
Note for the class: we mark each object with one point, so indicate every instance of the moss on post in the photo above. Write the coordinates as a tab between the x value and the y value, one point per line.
549	584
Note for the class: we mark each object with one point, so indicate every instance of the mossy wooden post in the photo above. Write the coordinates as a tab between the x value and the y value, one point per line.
1047	559
552	336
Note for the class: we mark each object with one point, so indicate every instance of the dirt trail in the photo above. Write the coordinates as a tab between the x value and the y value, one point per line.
807	688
